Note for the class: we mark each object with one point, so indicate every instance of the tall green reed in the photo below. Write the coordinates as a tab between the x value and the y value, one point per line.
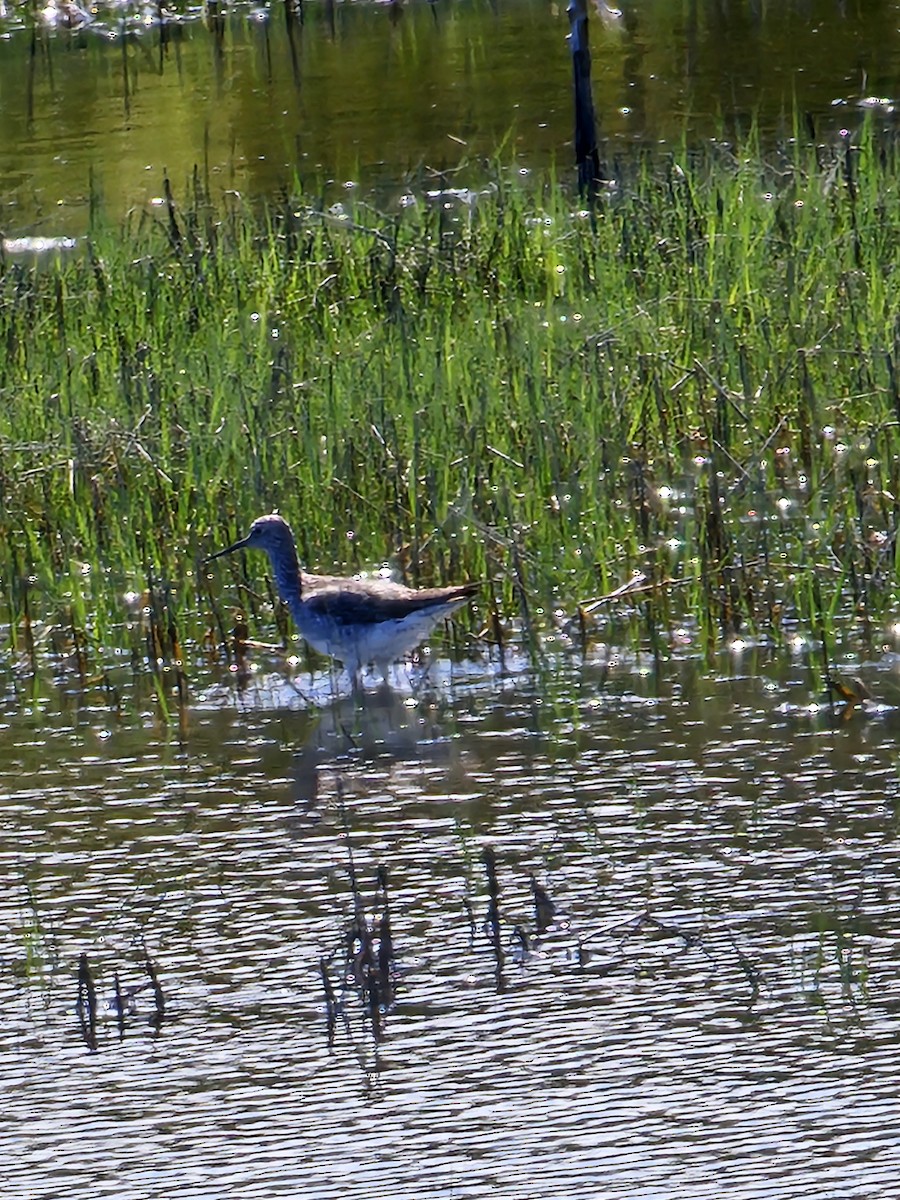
698	381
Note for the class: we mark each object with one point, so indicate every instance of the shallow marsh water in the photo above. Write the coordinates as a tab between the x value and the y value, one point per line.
393	97
714	1006
714	1009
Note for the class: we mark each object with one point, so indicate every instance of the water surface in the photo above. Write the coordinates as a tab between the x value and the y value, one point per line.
713	1008
397	96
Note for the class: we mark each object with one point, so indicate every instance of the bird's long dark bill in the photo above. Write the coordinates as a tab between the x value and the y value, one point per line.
228	550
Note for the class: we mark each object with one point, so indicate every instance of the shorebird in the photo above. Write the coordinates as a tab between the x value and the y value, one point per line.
356	621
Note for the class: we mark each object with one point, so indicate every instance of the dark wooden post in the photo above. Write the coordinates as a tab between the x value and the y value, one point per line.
587	157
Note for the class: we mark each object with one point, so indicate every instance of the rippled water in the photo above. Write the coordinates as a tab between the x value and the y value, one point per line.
712	1011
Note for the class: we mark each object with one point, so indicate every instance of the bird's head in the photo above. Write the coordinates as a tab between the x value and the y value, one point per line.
270	533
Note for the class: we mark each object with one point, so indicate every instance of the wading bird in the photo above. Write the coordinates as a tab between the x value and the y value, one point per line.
356	621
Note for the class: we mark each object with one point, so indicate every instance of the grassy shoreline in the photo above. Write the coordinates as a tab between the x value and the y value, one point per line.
701	383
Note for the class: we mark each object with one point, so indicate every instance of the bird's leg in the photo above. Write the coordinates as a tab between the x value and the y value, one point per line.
354	672
419	673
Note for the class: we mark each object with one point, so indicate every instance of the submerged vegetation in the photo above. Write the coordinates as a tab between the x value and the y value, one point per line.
699	382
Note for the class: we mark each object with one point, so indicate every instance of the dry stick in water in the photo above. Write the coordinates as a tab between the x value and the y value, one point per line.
120	1005
587	157
158	998
359	938
493	914
86	1006
331	1006
385	940
544	908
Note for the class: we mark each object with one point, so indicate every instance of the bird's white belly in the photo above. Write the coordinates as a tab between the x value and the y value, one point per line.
377	642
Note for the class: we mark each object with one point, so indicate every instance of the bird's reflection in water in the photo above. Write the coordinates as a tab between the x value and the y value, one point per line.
378	726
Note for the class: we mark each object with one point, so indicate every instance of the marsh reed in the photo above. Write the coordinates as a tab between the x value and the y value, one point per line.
699	380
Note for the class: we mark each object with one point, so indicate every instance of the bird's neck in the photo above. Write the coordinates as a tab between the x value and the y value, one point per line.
286	570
